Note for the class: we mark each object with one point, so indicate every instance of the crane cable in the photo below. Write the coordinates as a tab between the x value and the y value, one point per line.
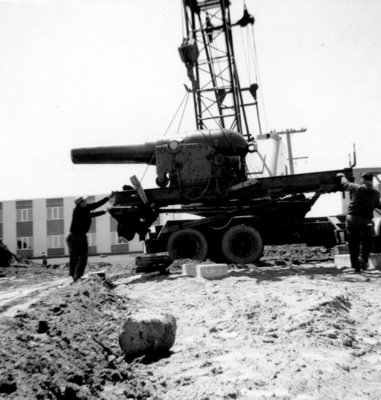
251	56
182	17
251	62
258	74
185	98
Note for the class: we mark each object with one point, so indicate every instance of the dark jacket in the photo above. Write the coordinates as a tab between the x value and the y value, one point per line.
81	220
364	199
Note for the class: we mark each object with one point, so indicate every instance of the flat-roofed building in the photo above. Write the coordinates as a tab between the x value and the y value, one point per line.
31	227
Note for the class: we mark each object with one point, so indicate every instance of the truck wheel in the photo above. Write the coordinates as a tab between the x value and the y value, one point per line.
242	244
187	243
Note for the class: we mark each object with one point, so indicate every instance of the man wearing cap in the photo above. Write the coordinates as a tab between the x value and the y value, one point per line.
364	198
77	239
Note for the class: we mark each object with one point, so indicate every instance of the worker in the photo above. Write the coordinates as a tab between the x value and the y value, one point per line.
364	198
44	260
5	255
77	239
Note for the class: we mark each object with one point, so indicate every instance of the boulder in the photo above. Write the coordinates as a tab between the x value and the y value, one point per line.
147	334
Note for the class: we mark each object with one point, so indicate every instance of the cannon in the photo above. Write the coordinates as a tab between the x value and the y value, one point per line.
197	158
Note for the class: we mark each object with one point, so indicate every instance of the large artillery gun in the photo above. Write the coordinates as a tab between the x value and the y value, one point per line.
205	174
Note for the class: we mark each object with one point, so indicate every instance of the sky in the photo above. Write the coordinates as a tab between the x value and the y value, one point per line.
97	73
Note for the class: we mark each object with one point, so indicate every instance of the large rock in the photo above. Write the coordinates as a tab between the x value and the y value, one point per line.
147	334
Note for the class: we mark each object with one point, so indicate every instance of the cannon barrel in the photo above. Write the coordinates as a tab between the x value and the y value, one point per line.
133	154
224	141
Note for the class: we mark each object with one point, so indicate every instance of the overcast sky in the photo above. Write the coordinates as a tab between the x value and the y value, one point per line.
93	73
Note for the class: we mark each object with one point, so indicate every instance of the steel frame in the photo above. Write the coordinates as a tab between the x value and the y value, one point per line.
218	98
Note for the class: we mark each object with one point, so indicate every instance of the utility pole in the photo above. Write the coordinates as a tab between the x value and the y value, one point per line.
291	158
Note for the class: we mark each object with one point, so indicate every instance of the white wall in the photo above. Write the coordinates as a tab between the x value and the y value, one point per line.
40	226
136	245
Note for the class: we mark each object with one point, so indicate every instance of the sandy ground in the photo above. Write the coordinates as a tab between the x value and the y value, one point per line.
308	331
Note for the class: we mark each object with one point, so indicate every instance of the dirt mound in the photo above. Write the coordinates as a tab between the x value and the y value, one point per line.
297	254
65	347
283	331
7	258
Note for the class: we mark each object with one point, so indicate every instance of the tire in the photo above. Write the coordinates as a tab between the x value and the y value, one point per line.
242	244
187	243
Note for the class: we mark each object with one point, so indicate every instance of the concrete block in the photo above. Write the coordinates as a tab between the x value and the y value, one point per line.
189	269
341	249
212	271
343	260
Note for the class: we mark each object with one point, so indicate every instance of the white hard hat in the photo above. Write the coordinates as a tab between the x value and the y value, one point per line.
80	199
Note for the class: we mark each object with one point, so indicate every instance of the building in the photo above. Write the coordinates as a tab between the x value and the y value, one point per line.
32	227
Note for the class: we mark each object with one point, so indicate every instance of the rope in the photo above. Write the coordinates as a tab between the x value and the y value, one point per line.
182	101
182	115
258	78
185	98
190	198
219	191
246	54
182	18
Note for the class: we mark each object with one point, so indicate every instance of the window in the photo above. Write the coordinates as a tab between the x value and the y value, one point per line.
55	241
24	243
55	213
92	239
115	239
24	214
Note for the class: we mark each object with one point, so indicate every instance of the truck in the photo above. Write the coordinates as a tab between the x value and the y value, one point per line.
234	208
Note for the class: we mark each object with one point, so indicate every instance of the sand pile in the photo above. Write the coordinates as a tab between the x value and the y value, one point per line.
65	346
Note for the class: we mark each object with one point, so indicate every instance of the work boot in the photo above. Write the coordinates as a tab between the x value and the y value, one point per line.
363	264
356	266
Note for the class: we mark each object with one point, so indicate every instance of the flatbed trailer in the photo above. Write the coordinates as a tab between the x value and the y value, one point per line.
232	228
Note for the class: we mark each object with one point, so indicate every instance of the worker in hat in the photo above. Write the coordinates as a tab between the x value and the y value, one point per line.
77	239
364	199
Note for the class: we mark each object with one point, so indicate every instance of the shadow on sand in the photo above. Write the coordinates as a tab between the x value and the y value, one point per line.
264	272
277	273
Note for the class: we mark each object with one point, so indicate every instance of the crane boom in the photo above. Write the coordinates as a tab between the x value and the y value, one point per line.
209	55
